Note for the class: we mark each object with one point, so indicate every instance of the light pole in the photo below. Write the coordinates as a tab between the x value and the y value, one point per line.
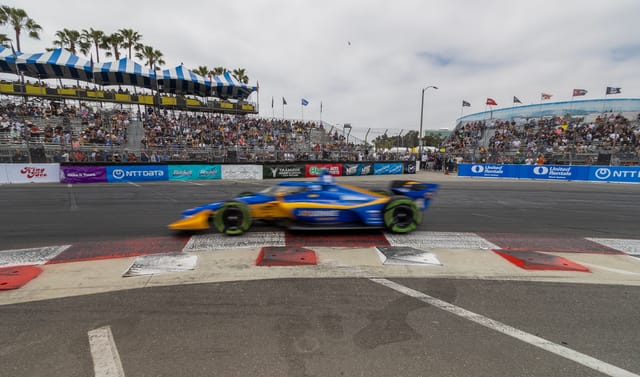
421	114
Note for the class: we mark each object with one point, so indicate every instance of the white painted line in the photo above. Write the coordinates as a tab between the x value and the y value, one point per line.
631	247
155	264
219	241
440	240
133	184
624	272
32	256
194	183
567	353
106	360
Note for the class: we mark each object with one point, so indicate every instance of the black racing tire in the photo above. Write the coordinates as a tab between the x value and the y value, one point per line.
401	215
233	218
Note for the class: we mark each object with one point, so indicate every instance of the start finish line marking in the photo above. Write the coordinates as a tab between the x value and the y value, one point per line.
106	360
567	353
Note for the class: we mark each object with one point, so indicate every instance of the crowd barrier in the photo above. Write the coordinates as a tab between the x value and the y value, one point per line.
95	173
617	174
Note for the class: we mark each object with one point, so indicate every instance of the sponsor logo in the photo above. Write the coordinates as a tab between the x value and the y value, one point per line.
182	173
333	170
352	170
208	173
319	213
31	172
477	169
119	173
603	173
80	174
366	170
541	170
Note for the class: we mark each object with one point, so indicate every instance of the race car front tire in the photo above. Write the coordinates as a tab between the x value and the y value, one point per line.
233	218
401	215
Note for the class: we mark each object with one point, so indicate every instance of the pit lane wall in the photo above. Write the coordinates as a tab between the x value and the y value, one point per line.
616	174
96	173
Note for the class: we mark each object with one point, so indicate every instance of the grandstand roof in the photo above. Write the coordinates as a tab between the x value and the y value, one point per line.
546	109
57	63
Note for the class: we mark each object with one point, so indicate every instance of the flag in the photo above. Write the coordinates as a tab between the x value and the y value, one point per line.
320	106
545	96
491	102
257	85
304	102
284	101
516	100
612	90
579	92
465	104
272	102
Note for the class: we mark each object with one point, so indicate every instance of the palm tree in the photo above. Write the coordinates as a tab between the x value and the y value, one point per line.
217	71
240	75
112	43
4	40
153	57
69	40
19	21
131	39
202	71
94	37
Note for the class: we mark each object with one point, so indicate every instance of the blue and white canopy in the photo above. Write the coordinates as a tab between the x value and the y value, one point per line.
58	63
124	72
180	80
225	86
8	60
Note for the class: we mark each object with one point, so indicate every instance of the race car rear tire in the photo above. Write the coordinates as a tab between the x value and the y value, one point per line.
233	218
401	215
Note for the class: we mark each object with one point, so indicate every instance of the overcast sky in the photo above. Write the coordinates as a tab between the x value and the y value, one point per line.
368	60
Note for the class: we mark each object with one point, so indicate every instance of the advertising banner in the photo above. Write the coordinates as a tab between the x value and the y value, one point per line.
314	170
410	167
194	172
621	174
3	174
385	168
241	171
554	172
83	174
488	171
283	171
357	169
32	173
141	173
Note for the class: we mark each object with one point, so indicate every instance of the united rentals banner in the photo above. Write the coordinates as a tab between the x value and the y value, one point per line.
283	171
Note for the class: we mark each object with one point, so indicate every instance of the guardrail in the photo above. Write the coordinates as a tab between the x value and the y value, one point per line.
100	173
617	174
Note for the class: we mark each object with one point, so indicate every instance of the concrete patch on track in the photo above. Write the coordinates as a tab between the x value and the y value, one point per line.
219	241
440	240
31	256
161	263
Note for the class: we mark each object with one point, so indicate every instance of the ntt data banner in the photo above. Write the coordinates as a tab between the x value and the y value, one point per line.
194	172
29	173
621	174
138	173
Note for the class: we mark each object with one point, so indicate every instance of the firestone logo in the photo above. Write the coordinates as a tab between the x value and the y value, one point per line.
32	172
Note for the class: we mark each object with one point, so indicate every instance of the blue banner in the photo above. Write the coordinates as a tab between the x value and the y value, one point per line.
554	172
383	168
622	174
194	172
139	173
488	171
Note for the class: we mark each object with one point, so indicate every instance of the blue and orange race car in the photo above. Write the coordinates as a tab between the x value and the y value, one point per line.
320	205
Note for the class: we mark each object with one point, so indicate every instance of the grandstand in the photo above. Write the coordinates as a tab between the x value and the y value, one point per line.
603	131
